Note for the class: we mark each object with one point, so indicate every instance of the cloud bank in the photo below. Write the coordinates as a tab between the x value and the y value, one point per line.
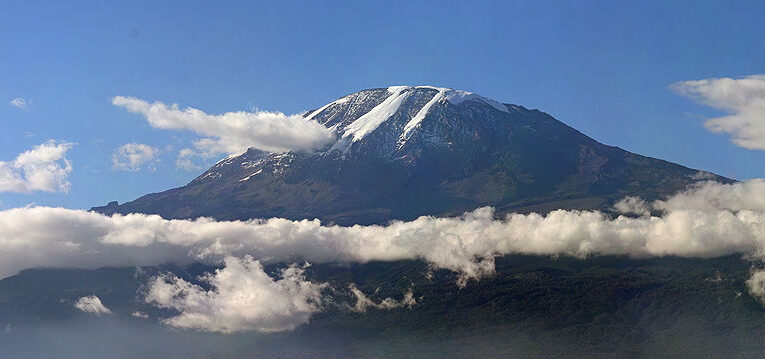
232	132
43	168
707	220
132	156
742	98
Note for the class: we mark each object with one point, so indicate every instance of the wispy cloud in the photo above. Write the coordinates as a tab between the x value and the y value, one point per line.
139	314
742	98
43	168
231	132
133	156
185	160
21	103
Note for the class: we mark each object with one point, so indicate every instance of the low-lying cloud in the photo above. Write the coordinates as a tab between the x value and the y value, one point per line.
363	302
243	298
742	98
92	304
232	132
756	285
43	168
707	220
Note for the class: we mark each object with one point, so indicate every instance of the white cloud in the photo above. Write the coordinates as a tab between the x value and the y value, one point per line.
707	220
632	205
132	156
710	197
742	98
756	285
92	304
233	132
21	103
363	302
43	168
243	297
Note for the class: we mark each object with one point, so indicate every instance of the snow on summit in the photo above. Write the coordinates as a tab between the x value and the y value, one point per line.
356	116
382	112
421	114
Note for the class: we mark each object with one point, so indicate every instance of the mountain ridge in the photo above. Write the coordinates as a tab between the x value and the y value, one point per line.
402	152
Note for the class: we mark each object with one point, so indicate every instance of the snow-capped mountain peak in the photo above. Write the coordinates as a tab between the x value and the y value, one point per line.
400	109
402	152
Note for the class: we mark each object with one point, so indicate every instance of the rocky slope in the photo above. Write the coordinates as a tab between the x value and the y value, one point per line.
403	152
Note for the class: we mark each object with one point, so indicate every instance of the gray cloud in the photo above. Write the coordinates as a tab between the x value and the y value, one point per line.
742	98
363	302
139	314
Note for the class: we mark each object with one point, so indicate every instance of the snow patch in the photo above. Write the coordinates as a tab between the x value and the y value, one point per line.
456	97
211	175
417	119
337	102
379	114
251	175
251	164
228	159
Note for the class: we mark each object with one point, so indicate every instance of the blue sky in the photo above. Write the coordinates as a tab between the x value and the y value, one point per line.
602	67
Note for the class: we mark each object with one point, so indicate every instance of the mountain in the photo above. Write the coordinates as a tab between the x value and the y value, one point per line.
535	307
402	152
399	153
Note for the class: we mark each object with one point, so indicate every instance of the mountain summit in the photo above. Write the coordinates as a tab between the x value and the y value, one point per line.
402	152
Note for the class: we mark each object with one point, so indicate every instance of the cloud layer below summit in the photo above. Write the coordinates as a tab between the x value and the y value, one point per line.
708	220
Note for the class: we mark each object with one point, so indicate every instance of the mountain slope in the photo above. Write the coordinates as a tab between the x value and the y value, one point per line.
602	307
403	152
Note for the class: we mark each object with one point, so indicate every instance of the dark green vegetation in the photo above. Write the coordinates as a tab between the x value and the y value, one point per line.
462	156
532	307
